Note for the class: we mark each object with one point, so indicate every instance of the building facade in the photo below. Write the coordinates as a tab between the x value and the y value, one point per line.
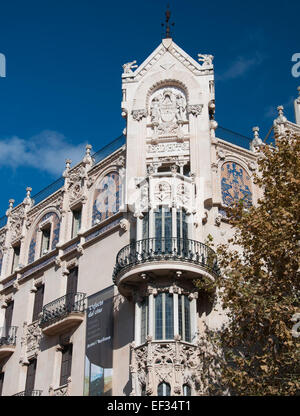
97	289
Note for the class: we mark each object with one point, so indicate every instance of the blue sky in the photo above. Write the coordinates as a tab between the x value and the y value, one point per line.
64	63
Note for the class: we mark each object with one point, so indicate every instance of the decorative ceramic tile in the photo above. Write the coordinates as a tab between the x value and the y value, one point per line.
235	184
106	198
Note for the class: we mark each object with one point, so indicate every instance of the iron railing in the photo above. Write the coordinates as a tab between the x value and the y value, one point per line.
233	137
8	335
154	249
29	393
61	307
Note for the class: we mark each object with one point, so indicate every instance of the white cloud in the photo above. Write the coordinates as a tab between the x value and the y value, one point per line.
240	66
46	151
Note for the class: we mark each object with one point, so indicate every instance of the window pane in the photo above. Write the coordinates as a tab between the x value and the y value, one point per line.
187	319
163	389
169	330
158	317
168	223
186	390
45	240
180	315
146	225
76	222
144	320
16	258
158	229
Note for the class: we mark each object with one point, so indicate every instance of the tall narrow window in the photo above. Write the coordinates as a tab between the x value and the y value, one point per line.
71	289
16	258
38	302
163	229
8	317
181	225
184	318
1	382
146	225
66	364
144	319
76	221
164	389
30	378
164	320
45	245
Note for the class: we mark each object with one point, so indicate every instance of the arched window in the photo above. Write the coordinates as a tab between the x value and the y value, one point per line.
164	389
186	390
45	236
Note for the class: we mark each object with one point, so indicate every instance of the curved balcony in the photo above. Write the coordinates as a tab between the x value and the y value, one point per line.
63	313
8	337
161	254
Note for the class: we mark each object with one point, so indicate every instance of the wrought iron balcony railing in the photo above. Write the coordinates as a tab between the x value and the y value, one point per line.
8	335
61	307
29	393
154	249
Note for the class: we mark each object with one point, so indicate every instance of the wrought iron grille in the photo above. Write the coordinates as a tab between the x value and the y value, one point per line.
61	307
29	393
153	249
8	336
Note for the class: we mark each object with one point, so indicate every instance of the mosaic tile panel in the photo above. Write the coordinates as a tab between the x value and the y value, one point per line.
107	198
235	184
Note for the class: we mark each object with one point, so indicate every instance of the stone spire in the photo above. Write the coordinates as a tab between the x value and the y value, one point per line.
257	142
279	122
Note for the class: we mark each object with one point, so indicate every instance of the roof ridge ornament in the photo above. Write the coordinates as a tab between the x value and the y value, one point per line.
167	24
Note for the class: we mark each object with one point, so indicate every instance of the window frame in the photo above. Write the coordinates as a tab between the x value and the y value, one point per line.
16	257
75	231
47	227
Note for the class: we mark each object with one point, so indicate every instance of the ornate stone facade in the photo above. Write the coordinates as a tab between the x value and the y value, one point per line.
143	207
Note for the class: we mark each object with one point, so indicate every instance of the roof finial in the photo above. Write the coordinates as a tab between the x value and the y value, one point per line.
167	24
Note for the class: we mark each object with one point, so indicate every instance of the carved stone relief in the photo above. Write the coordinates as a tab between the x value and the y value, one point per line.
175	363
168	111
